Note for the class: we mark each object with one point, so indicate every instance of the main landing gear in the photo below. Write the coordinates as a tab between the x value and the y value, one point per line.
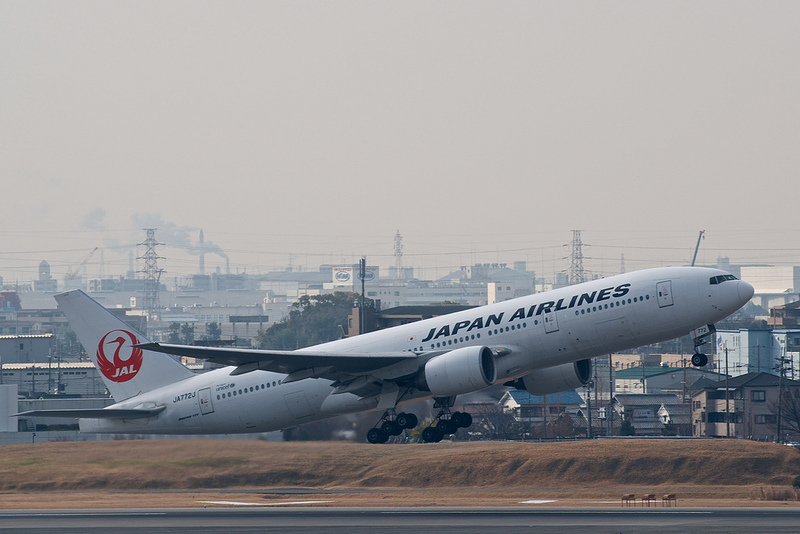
442	427
391	424
445	423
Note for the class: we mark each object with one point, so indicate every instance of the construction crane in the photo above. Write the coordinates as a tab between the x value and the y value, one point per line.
73	272
697	247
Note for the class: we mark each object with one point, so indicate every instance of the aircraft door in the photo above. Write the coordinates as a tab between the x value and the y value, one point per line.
664	292
204	396
550	322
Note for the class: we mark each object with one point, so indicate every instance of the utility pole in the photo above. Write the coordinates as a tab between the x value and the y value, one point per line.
683	362
782	369
362	267
758	352
644	376
589	388
727	396
544	413
611	389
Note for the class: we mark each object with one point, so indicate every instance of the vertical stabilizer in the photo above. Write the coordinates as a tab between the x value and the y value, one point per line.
126	370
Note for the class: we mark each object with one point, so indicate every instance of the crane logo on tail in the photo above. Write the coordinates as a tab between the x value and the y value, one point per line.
126	360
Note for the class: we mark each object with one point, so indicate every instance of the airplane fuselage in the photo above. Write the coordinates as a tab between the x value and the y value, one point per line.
527	334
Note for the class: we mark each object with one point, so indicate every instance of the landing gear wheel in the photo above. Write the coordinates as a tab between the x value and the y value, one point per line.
446	426
699	360
461	419
407	420
431	434
391	428
377	435
467	420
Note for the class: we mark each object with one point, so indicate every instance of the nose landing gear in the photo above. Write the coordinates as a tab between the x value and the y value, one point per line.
699	334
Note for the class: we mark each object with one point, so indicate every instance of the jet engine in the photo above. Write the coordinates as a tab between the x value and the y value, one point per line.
554	379
459	371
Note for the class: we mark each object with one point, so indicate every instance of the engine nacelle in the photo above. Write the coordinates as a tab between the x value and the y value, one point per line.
559	378
459	371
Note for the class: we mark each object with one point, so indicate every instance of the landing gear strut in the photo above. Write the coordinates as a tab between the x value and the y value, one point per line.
391	424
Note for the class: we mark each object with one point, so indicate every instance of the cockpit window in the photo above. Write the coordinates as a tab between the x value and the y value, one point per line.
714	280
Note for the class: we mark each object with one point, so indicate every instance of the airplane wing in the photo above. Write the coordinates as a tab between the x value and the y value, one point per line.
108	413
296	364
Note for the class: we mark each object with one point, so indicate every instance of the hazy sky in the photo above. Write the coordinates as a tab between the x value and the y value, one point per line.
483	131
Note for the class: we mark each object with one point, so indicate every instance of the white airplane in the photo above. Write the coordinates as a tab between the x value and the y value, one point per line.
543	343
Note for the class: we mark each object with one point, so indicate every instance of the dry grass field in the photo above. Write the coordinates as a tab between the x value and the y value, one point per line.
185	472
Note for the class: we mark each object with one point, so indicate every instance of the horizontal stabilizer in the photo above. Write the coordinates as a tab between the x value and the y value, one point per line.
108	413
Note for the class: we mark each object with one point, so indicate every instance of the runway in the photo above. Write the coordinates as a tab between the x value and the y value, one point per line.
363	520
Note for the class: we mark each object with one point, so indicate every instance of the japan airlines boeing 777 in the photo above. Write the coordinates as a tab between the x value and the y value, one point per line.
542	343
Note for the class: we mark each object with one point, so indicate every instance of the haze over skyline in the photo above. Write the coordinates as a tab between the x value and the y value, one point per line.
310	133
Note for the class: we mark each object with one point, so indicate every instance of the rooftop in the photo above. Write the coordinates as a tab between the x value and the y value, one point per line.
522	397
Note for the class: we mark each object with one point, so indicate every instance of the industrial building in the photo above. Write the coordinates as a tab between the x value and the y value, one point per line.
26	348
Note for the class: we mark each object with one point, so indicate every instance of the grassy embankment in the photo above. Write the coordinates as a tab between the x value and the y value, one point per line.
229	464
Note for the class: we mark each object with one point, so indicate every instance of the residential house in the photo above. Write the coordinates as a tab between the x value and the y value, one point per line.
554	415
746	406
643	411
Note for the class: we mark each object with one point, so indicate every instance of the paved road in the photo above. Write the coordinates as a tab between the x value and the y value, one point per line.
362	520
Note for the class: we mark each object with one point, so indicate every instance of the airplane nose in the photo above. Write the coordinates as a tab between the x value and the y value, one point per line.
746	292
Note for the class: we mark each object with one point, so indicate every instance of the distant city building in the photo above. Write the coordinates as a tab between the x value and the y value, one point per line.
774	285
26	348
34	380
758	350
9	301
45	283
786	316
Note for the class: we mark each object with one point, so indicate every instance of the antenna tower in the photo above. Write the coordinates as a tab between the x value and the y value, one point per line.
398	256
152	274
576	273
